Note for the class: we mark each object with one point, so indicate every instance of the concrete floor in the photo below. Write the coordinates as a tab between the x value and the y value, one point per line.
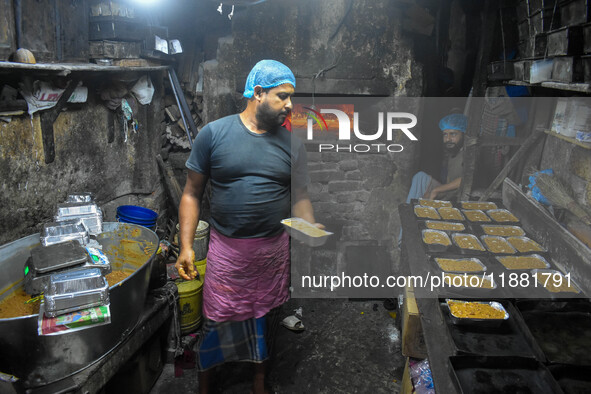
347	347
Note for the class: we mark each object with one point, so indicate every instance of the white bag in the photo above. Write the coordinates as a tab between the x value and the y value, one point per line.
143	90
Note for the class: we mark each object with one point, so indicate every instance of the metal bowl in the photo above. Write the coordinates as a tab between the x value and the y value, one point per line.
40	360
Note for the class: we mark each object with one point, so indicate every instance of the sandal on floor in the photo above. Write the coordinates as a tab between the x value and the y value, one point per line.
293	323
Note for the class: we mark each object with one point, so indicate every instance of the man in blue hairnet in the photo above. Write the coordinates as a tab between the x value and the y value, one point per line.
254	167
424	185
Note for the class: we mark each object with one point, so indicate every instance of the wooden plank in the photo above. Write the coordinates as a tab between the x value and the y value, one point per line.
541	111
435	332
172	187
171	115
573	87
529	142
471	149
567	251
73	67
574	141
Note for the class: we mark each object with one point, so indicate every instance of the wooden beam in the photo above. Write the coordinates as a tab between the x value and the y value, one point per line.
48	117
172	187
477	105
529	142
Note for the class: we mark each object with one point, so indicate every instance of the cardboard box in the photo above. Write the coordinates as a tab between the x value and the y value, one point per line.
413	343
407	386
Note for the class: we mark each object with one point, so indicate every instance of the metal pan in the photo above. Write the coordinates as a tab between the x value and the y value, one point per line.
471	265
478	205
502	216
497	245
476	216
426	212
482	322
444	226
435	203
525	245
435	241
502	230
468	243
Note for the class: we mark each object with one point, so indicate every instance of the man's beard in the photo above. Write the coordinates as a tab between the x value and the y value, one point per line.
452	149
269	119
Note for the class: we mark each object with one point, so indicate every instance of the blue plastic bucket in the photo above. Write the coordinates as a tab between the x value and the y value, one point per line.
137	215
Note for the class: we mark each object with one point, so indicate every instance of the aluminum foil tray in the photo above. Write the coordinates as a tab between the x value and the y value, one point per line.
74	290
435	240
503	230
497	245
435	203
68	230
45	259
482	322
460	265
478	205
76	209
444	226
92	222
305	232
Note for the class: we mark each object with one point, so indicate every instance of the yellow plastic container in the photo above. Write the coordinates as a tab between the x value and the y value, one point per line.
200	267
190	303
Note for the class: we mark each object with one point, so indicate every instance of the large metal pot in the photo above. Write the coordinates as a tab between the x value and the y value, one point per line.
40	360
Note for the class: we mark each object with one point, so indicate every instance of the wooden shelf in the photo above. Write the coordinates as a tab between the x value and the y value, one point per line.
573	87
568	139
518	83
68	68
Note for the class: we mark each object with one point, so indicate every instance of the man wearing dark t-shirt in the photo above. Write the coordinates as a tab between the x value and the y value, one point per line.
254	167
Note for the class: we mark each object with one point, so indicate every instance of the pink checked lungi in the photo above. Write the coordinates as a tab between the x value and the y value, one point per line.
245	277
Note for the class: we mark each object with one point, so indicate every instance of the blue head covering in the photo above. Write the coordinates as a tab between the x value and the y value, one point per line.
268	74
454	122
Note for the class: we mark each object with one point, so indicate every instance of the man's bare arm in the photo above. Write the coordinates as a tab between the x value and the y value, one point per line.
453	185
302	207
188	219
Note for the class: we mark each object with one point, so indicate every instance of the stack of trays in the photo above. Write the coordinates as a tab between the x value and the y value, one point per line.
74	290
88	212
48	260
58	232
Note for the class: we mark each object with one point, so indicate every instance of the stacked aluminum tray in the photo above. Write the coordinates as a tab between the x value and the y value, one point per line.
90	214
46	260
74	290
58	232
